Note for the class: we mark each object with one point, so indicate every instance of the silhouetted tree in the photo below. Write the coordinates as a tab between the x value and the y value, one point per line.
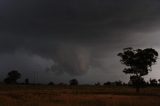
51	83
137	81
138	62
73	82
159	81
153	82
118	83
12	77
107	83
26	81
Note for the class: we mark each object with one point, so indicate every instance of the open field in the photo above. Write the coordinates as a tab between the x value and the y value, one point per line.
37	95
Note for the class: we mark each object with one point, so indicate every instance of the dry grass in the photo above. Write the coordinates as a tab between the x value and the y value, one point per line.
77	96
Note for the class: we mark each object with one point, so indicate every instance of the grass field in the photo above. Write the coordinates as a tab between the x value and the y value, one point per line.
21	95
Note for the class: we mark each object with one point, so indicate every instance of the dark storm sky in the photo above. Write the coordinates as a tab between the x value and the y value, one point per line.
63	39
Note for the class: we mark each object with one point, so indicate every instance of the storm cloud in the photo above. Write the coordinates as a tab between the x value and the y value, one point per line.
76	36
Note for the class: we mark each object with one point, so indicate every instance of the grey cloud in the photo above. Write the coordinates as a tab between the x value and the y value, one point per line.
26	64
77	34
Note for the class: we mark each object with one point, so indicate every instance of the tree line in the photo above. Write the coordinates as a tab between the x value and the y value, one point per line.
14	75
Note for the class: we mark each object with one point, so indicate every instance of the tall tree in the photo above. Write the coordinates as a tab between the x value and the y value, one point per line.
153	82
12	77
138	62
73	82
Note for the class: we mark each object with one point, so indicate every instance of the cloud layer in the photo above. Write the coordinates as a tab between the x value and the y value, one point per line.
77	35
